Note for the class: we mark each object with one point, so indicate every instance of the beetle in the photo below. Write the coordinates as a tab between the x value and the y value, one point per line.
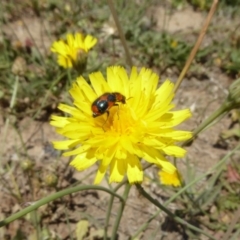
103	103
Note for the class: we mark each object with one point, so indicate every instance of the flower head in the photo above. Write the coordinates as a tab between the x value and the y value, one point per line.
73	51
140	128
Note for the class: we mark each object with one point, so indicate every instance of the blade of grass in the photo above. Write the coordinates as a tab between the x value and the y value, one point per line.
197	44
121	33
12	102
232	225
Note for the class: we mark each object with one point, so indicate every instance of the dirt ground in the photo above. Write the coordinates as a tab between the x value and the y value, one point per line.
201	96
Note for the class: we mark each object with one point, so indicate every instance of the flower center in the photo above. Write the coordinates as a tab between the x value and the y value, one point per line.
120	120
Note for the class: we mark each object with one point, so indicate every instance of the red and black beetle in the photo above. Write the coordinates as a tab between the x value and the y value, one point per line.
103	103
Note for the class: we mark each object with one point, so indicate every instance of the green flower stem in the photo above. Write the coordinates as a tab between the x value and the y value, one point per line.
225	107
53	197
120	31
34	215
169	213
185	188
120	212
110	204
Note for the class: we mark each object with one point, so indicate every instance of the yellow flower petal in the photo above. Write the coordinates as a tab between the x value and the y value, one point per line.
164	95
134	170
118	169
136	93
100	174
155	114
72	111
64	62
174	179
118	80
59	122
171	119
79	41
89	42
175	135
109	155
153	156
70	40
99	84
83	161
63	145
174	151
87	92
149	81
82	149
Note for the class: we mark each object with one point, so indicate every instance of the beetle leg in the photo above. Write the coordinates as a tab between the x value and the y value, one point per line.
105	121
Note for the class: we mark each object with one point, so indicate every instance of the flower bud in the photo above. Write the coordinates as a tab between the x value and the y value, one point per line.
27	165
51	180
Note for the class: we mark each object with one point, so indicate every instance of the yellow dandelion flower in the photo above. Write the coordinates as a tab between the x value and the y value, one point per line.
74	50
142	128
173	179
